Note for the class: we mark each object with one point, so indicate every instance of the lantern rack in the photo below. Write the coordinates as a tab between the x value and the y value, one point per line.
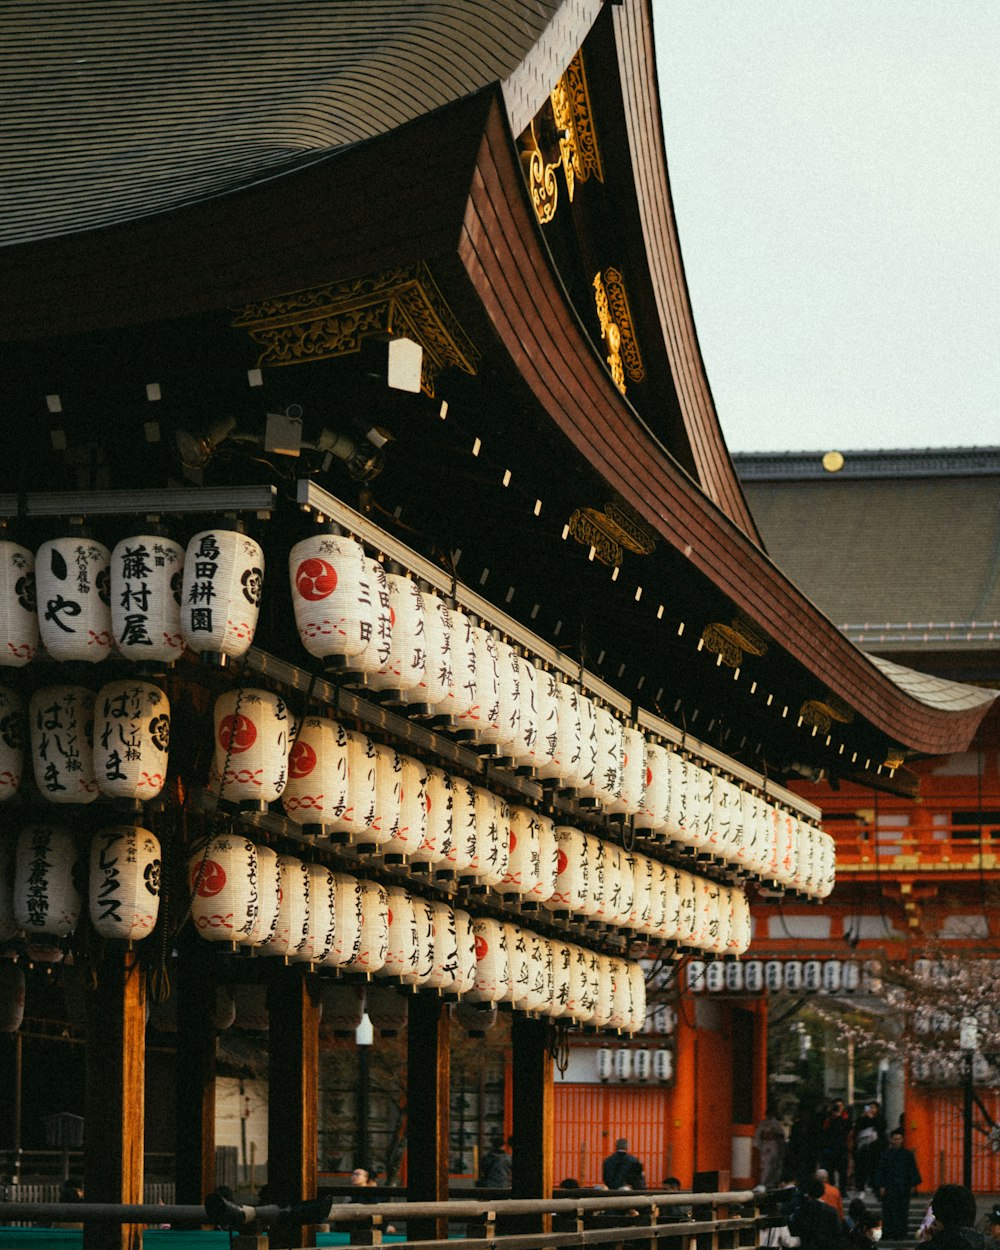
261	500
290	676
314	499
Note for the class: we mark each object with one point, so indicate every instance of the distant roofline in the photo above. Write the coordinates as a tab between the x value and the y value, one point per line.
916	462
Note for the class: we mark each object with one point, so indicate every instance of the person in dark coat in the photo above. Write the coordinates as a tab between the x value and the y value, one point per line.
896	1177
834	1138
495	1168
622	1170
867	1146
954	1210
813	1221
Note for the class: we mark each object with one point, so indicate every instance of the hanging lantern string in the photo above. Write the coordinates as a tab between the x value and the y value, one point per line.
559	1047
159	975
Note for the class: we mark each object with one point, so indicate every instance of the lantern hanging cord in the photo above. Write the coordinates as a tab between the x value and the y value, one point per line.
159	975
559	1048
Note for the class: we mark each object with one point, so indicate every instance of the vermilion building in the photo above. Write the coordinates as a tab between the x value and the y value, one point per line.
219	215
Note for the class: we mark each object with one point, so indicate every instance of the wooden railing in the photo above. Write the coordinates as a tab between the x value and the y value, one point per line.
711	1221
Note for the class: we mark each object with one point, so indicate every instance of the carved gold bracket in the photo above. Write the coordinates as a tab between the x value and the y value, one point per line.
821	713
617	328
612	532
733	641
334	319
570	131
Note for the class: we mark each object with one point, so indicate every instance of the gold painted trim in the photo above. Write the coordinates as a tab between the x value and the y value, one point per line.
333	320
611	533
619	306
734	641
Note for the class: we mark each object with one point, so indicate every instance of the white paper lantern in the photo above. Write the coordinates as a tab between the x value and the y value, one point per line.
74	598
698	785
343	1008
753	854
594	861
436	842
378	646
461	696
605	1064
654	807
131	739
360	814
572	877
519	954
401	954
540	975
793	974
644	880
492	837
786	846
18	614
47	903
510	697
466	941
292	929
267	883
13	731
250	764
222	587
522	876
403	668
388	790
663	1065
412	822
694	976
423	921
61	722
482	721
583	777
637	996
374	943
832	975
492	974
727	818
564	765
463	852
562	979
321	919
222	877
317	790
583	985
523	750
753	976
687	897
802	879
124	882
147	572
546	720
386	1008
621	995
609	769
349	911
827	874
604	999
435	681
633	775
445	968
331	598
548	860
715	977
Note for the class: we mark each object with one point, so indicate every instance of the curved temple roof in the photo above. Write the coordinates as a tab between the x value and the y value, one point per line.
119	110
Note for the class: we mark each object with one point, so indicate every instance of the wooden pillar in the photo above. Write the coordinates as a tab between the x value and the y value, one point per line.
114	1097
293	1094
428	1090
194	1080
534	1102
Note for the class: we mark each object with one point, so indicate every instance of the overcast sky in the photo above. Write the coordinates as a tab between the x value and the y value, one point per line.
835	167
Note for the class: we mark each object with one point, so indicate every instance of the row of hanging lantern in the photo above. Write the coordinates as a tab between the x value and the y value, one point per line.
639	1065
74	599
114	742
341	781
43	880
754	976
148	598
249	895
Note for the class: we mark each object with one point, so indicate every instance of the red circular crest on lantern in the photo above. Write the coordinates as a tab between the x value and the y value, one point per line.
315	579
481	946
210	877
649	776
236	734
561	861
513	841
301	759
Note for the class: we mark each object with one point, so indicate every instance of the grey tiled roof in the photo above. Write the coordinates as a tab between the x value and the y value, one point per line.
894	558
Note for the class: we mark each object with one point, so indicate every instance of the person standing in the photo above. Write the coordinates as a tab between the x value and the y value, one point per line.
622	1170
867	1146
954	1209
495	1170
896	1177
834	1138
769	1142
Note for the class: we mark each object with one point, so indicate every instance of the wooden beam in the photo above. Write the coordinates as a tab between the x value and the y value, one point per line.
293	1095
114	1096
531	1169
194	1081
428	1088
